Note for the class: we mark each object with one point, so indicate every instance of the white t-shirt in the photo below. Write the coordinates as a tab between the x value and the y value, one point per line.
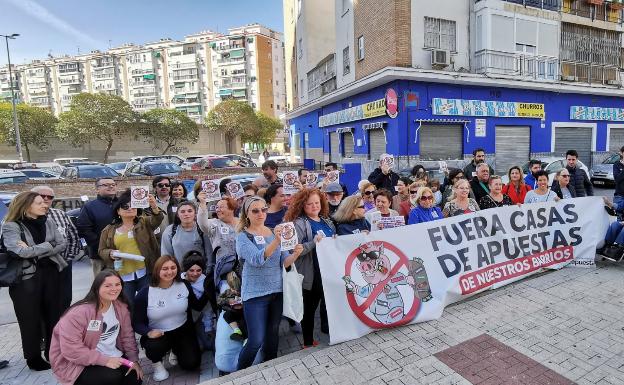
533	197
166	308
110	330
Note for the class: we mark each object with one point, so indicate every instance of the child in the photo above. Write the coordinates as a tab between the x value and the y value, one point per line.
230	302
194	265
437	194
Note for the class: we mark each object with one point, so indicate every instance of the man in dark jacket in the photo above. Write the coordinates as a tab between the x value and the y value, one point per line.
578	176
618	176
95	216
478	157
479	184
384	177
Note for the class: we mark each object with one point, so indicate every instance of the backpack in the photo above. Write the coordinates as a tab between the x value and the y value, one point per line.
227	264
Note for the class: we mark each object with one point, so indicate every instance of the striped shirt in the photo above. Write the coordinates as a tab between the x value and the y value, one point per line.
67	228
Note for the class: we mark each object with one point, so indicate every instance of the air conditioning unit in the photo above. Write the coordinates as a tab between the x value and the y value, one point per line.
570	78
440	58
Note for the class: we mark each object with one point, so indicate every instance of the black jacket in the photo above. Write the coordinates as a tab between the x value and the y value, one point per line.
93	218
557	189
381	180
618	177
580	181
478	190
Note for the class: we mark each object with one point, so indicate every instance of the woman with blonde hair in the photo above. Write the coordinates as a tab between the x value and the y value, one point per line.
367	189
460	201
349	217
425	210
407	206
29	234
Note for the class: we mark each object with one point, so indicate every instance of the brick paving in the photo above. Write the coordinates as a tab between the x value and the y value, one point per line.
571	321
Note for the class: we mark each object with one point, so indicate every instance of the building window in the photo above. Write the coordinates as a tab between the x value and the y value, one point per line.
346	68
440	34
360	47
300	47
525	48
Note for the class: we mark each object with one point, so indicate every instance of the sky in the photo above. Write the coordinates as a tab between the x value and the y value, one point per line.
61	27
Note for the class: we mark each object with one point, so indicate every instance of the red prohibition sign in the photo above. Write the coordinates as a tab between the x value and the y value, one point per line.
359	310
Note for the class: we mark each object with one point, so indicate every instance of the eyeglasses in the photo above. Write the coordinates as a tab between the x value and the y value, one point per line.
161	185
258	211
107	185
565	176
426	198
414	192
368	192
50	197
360	207
125	206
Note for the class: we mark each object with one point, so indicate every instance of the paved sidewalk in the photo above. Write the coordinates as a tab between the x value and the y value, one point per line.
571	321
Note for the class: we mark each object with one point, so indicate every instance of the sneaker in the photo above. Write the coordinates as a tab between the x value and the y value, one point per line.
37	364
314	344
237	335
173	359
160	373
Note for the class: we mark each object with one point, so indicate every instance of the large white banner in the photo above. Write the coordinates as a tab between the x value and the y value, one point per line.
409	274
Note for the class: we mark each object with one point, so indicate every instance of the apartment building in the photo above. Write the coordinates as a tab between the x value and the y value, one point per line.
192	75
5	86
434	80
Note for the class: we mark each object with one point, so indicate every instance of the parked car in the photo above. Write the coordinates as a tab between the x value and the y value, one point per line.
7	196
12	176
153	158
120	167
8	163
551	165
52	167
188	162
602	174
38	174
210	162
241	160
164	168
93	171
67	161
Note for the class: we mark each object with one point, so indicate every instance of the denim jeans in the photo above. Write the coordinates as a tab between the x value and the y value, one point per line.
263	316
615	233
132	287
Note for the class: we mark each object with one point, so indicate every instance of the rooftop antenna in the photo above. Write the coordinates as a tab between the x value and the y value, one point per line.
50	56
109	43
78	49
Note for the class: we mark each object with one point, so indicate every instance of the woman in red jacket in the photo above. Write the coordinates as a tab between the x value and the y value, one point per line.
516	189
93	343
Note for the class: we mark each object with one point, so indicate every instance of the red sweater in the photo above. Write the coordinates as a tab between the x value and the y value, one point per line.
73	347
516	198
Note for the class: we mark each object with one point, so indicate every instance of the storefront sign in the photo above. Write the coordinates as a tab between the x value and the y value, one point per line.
409	274
392	103
363	111
597	113
480	125
373	126
497	109
412	99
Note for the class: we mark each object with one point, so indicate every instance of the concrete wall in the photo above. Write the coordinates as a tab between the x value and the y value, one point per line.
344	39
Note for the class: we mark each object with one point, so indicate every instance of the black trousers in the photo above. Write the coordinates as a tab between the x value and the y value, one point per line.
236	316
182	341
311	300
66	282
102	375
37	308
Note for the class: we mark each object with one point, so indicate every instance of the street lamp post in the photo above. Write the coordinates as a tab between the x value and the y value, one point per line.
18	142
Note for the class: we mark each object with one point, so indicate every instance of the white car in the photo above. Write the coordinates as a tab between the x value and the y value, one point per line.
551	165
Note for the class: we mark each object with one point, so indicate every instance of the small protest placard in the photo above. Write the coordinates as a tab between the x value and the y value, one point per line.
211	188
443	167
392	222
289	236
235	189
333	177
139	197
311	179
387	159
290	178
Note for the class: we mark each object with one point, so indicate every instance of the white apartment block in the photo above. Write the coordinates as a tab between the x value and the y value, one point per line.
192	75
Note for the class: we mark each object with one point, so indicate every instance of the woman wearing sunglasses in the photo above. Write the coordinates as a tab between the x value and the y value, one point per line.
132	233
261	289
309	211
349	217
407	206
425	210
367	190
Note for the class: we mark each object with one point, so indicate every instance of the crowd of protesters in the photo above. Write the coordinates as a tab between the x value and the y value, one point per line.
211	273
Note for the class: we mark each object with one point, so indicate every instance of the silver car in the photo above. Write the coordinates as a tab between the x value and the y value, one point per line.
602	173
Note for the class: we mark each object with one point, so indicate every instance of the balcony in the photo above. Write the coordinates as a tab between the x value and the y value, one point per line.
551	5
517	65
103	63
610	11
591	73
69	81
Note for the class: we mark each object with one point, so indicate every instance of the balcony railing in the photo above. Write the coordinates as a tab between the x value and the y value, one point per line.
69	81
602	12
592	73
552	5
517	65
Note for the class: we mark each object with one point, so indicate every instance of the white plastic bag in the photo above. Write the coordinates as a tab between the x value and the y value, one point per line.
293	293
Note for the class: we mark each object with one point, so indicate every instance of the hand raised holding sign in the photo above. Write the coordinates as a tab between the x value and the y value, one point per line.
152	203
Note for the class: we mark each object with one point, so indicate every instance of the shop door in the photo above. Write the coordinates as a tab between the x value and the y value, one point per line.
347	142
616	139
334	147
376	144
574	138
441	141
513	147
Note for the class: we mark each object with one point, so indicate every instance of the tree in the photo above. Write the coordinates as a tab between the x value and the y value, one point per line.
268	128
97	117
170	127
233	118
36	126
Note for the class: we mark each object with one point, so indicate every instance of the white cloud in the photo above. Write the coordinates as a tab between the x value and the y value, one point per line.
37	11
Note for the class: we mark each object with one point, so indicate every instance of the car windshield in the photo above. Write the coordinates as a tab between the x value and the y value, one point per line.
13	179
96	172
118	166
223	162
162	168
612	159
37	174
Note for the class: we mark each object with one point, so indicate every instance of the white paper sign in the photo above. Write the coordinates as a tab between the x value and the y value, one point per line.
289	179
139	197
211	188
333	177
133	257
375	218
311	179
443	166
387	159
480	125
235	189
289	236
391	222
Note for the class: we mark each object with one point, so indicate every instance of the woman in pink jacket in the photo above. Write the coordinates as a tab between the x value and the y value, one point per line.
93	343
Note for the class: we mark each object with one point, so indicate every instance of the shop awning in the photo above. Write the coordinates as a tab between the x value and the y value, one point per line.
442	121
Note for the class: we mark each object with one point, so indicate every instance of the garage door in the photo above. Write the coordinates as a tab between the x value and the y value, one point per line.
376	144
574	138
441	141
513	147
347	142
616	139
334	147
